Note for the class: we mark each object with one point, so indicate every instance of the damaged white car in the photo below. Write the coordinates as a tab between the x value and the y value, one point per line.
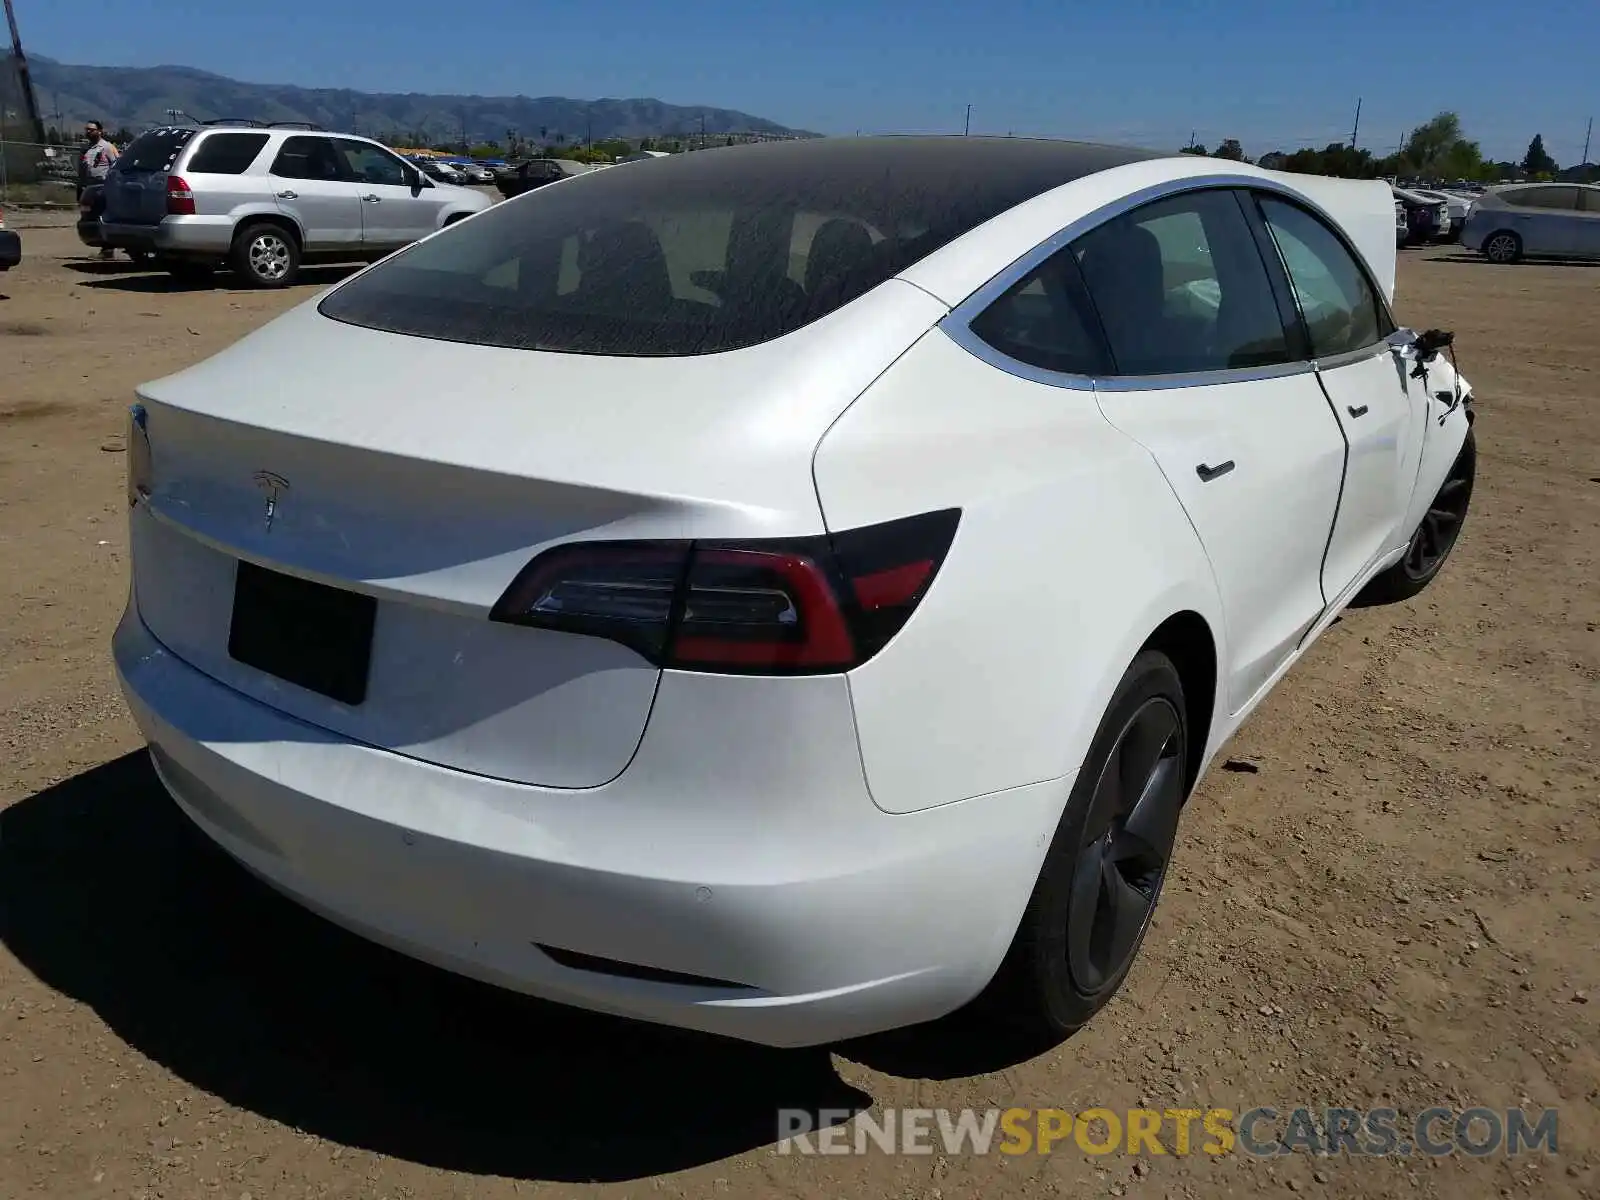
814	615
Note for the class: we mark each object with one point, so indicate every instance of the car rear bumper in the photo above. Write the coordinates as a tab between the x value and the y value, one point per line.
750	863
10	249
173	235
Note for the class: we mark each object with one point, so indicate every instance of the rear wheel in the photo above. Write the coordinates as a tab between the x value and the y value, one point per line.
1106	864
1502	247
266	255
1432	540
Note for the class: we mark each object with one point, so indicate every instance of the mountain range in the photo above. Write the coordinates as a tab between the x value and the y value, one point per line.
137	97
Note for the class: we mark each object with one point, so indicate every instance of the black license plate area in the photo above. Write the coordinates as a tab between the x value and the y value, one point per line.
305	633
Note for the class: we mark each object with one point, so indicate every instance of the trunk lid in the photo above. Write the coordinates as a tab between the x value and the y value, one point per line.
426	474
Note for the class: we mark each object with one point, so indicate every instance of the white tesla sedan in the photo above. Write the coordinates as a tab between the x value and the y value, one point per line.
847	559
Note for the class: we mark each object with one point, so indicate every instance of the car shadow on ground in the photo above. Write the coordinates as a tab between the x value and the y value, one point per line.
126	276
112	898
1464	258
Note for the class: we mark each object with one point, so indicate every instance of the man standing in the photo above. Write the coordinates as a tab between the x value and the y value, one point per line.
95	164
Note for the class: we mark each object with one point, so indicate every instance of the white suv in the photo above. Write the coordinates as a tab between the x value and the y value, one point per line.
267	198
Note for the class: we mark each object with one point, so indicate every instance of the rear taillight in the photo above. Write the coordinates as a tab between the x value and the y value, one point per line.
801	606
180	200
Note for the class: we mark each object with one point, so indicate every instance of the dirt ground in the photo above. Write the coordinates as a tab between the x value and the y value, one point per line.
1397	907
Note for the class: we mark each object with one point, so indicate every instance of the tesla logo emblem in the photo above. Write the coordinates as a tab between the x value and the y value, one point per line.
272	485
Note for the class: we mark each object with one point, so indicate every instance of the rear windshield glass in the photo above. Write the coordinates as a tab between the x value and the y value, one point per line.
702	252
155	150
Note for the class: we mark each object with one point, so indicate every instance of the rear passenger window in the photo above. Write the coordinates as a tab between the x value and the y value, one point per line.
227	153
1041	320
1180	286
1340	307
307	158
1564	199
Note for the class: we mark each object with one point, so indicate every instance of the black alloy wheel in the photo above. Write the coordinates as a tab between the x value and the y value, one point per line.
1103	872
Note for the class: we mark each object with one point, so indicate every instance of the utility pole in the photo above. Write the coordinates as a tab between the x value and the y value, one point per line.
1586	134
1356	128
29	101
967	129
1192	132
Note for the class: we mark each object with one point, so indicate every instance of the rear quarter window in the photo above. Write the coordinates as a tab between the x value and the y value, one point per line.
226	153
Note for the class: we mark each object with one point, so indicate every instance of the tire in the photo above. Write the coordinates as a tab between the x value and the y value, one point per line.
1502	247
266	255
1072	949
1433	539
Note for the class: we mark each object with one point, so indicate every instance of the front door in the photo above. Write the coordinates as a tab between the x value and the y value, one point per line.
393	214
1379	411
1208	381
309	185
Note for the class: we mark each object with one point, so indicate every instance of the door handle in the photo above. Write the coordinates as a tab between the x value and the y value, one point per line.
1356	412
1207	474
288	195
371	199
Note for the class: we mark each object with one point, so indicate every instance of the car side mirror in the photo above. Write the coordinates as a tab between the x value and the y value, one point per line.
414	179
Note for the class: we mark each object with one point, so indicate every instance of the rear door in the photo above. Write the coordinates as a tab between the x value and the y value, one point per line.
310	184
392	214
1348	327
1211	381
1589	226
1548	219
136	188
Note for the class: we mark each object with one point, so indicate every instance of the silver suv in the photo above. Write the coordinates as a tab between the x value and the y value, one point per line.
267	198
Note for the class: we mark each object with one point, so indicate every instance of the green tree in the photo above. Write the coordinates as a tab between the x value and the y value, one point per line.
1538	161
1428	144
1336	159
1230	149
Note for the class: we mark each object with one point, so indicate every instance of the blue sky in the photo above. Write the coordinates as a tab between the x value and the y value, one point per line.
1277	74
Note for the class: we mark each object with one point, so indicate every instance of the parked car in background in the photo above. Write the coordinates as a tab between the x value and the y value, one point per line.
440	170
1535	220
10	246
845	561
266	199
475	172
1455	209
91	206
537	172
1402	224
1429	219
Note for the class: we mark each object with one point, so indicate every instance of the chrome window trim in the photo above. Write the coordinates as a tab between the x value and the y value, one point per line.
1187	379
961	333
1334	361
957	324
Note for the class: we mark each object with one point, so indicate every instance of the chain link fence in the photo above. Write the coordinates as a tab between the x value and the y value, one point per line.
30	173
34	174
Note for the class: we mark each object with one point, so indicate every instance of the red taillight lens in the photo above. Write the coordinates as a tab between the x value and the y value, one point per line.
781	607
180	200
